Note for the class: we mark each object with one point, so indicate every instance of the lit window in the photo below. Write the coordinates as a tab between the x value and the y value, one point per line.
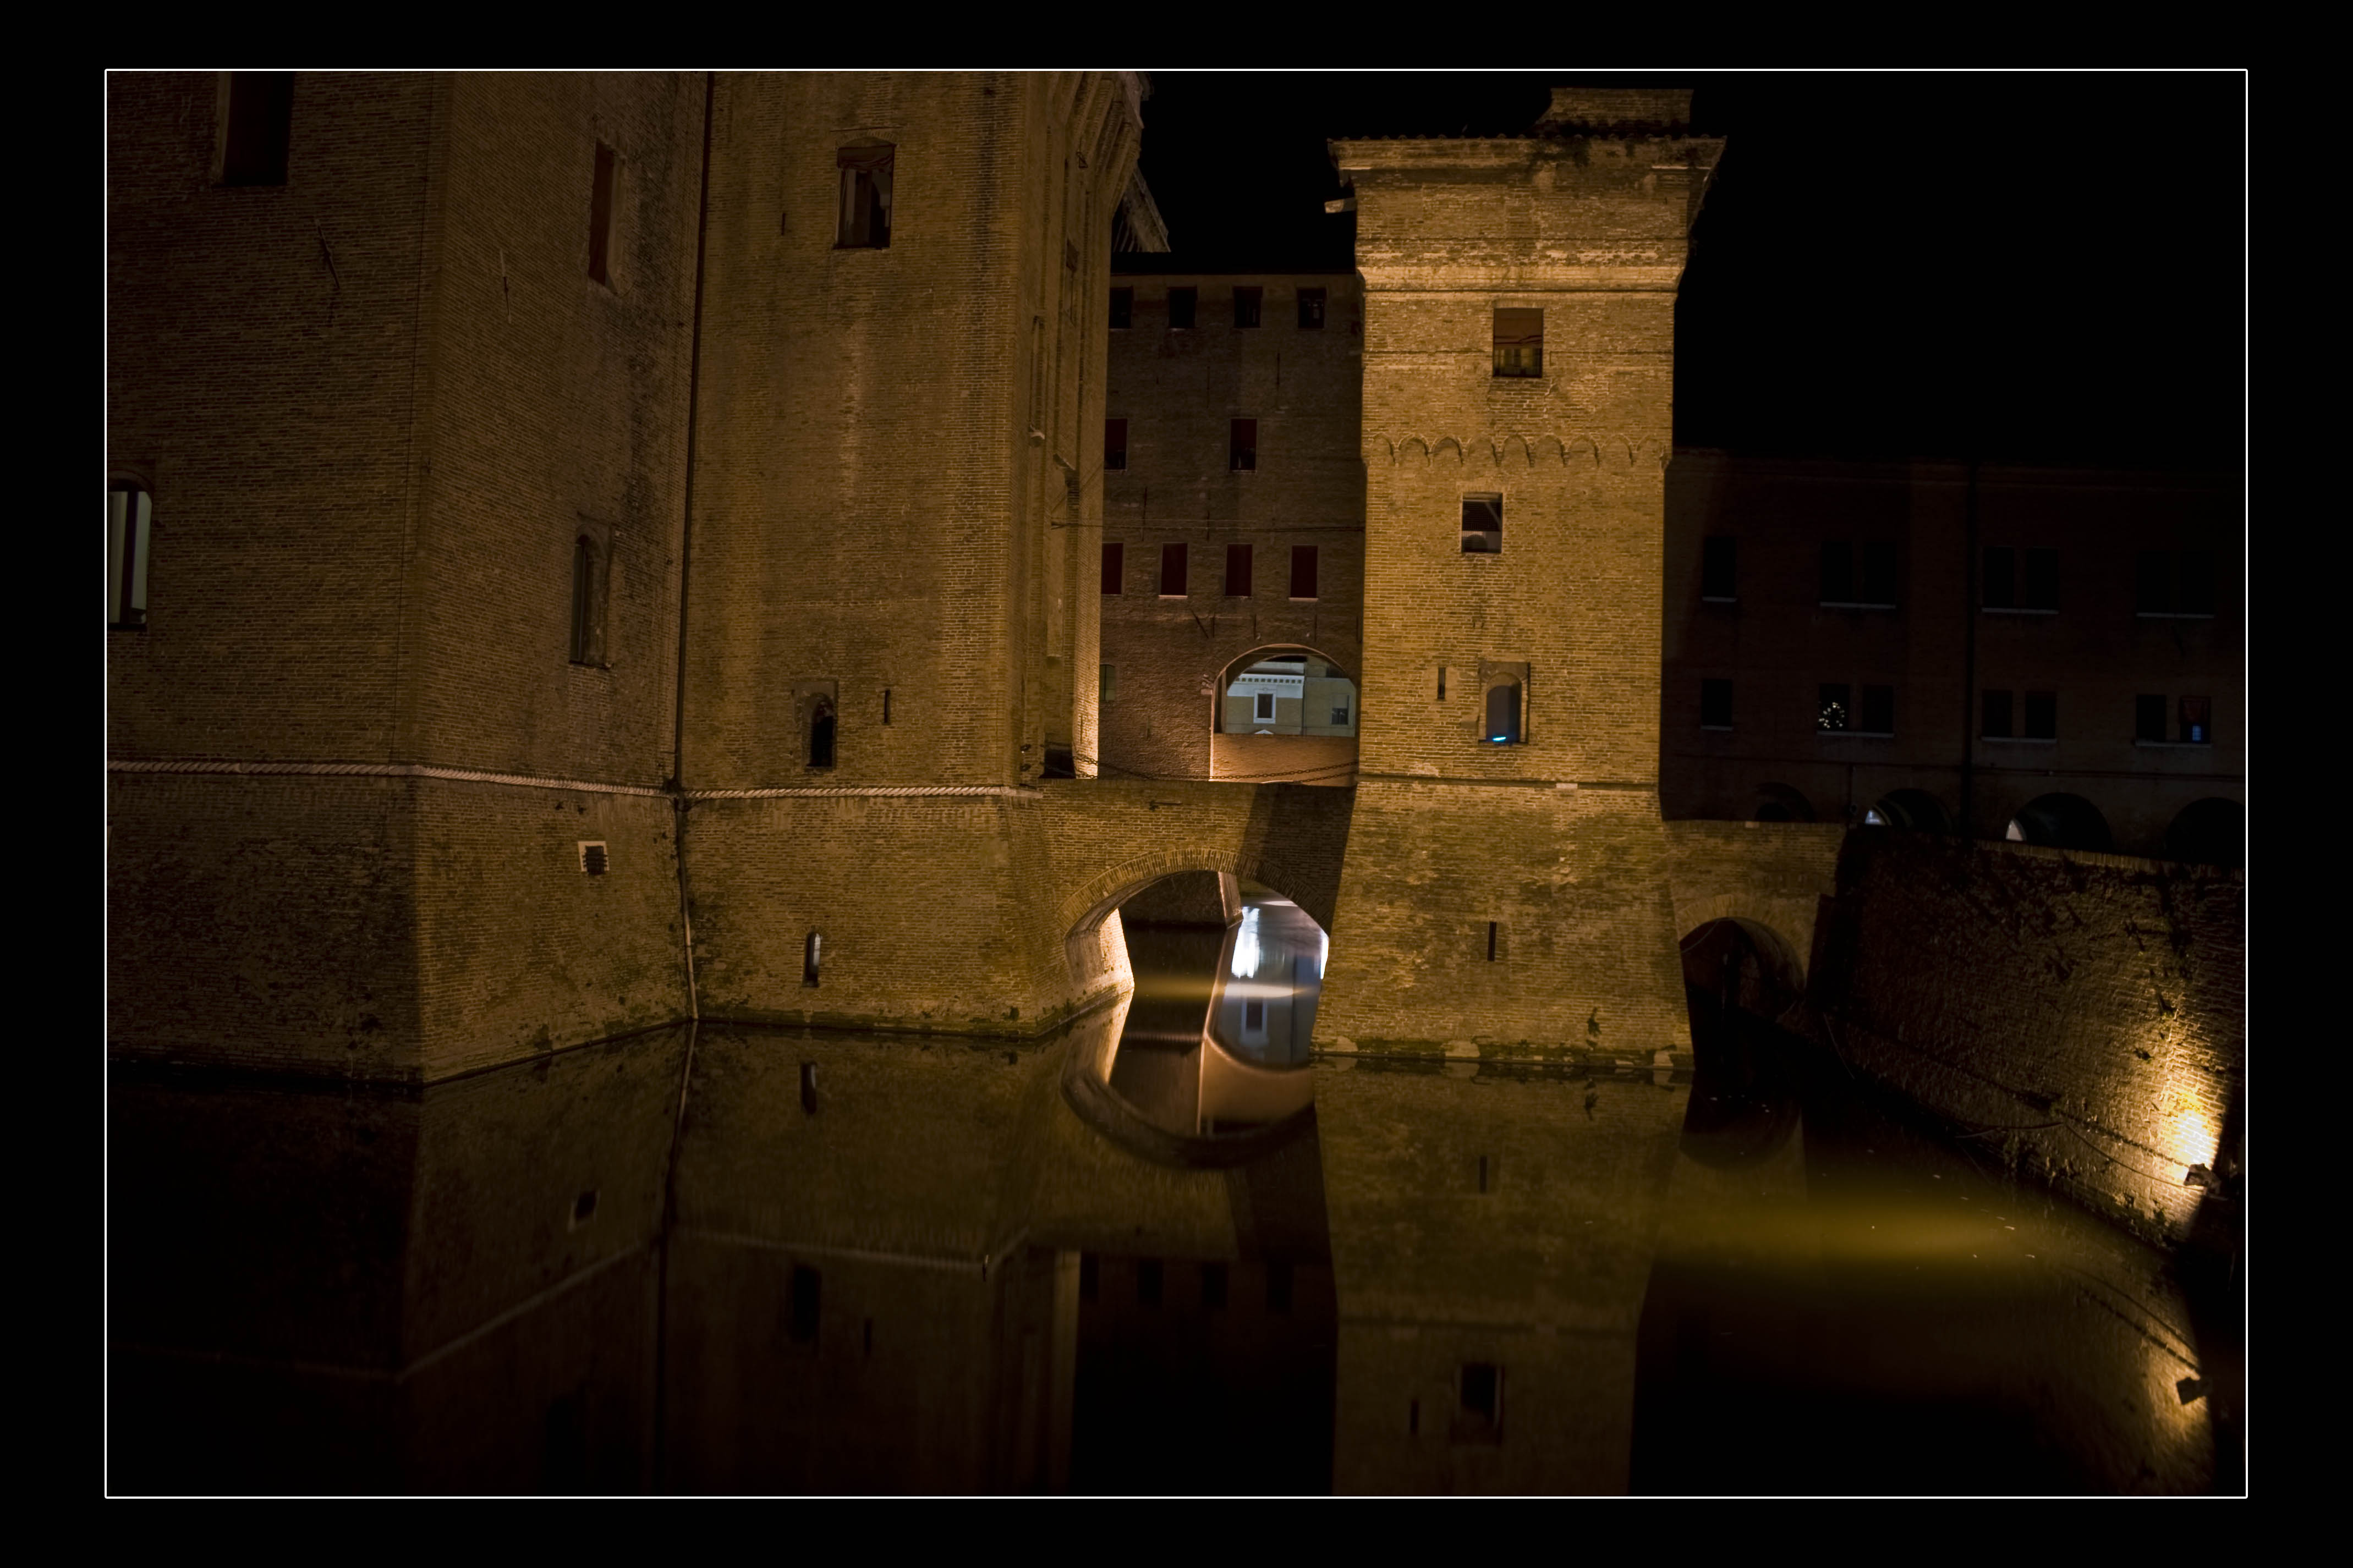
866	169
1503	713
129	512
1519	342
2197	721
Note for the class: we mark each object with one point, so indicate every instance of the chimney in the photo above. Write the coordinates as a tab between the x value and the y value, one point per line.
1615	112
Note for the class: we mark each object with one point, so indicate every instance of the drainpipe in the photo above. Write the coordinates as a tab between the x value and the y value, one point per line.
1969	653
686	555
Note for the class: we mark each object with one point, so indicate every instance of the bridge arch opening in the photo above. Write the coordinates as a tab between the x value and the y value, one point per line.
1284	713
1913	809
1780	802
2209	832
1211	1055
2060	821
1740	979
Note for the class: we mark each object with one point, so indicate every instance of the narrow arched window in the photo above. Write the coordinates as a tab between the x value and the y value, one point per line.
1503	712
820	734
129	512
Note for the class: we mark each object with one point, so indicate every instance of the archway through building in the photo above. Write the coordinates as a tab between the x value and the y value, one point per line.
2061	822
2209	832
1740	980
1212	1055
1284	714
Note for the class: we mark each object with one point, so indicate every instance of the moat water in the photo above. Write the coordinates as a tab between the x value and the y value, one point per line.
1167	1252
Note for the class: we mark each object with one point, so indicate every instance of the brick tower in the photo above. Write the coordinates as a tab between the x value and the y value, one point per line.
1505	888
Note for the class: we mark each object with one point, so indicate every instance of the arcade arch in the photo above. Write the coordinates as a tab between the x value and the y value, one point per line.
2209	832
1284	713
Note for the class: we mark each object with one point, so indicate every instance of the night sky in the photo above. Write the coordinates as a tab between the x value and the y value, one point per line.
2042	267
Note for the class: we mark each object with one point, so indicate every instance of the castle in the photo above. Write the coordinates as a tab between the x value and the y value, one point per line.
592	551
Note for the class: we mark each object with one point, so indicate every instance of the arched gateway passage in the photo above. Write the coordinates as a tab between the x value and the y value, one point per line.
1285	713
1739	979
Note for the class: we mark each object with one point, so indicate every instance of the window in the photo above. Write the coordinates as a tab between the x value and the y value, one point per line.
2149	717
1122	308
1834	707
865	195
808	1290
255	123
1877	589
820	733
1114	444
1303	571
1838	573
1519	342
1262	710
2197	721
2175	582
591	563
2041	715
1114	568
2008	587
1495	932
1482	525
594	857
1719	568
600	218
1715	704
1503	713
1172	571
1107	683
1879	710
1995	718
1246	302
129	513
812	950
1879	572
1311	310
1237	571
1241	446
1180	307
1339	713
1479	1417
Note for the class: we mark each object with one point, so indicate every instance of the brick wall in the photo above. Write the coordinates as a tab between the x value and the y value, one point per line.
1179	389
2085	1014
1777	643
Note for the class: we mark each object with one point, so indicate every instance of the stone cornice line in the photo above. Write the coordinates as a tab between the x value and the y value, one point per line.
532	780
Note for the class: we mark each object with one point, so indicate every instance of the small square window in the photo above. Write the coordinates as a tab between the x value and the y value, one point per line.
1834	708
2041	715
1242	445
1263	711
1114	568
1482	525
1715	704
1180	307
1879	710
1995	724
2197	721
1122	308
1172	571
1719	568
1237	571
1311	310
1519	342
1340	714
1303	571
1114	444
2149	717
1246	302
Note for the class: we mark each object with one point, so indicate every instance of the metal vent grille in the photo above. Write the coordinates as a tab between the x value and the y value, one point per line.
593	858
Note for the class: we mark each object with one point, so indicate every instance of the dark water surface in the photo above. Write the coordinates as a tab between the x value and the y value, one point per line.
1131	1259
